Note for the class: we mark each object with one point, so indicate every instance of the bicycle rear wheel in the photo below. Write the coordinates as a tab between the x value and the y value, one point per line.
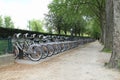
15	50
36	55
55	49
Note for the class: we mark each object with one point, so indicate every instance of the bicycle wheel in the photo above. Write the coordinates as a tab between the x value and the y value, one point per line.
59	48
45	51
15	51
55	48
50	50
62	47
68	46
36	54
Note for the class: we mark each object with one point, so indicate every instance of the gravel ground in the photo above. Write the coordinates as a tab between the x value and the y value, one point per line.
82	63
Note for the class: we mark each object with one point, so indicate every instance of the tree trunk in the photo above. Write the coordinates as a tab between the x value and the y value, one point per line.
102	20
109	25
59	30
65	31
115	57
102	34
75	30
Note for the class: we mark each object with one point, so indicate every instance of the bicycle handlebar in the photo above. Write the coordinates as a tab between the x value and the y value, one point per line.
25	35
17	35
33	35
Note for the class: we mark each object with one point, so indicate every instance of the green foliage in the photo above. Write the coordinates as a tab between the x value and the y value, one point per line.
36	25
8	22
65	15
1	21
93	29
49	30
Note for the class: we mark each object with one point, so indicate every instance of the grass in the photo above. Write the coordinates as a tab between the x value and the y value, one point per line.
3	46
119	64
107	50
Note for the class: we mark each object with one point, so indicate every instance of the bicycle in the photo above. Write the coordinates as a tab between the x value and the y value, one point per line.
33	52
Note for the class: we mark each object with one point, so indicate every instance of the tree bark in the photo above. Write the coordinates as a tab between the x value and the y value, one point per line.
109	25
115	57
59	29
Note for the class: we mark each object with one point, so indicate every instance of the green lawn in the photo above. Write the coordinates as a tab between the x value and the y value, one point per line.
3	46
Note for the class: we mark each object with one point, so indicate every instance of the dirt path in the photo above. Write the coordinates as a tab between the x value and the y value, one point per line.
82	63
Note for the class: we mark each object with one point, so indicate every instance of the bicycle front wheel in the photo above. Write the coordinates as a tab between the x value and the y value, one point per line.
36	54
50	50
45	51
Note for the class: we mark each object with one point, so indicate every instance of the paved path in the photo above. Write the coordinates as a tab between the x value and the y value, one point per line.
82	63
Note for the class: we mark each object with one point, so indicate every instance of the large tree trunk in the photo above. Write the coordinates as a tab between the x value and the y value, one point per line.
109	25
115	57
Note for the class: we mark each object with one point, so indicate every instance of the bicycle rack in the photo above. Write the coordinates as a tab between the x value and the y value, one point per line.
66	44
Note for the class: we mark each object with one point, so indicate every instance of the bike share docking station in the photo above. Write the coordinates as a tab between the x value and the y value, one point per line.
37	47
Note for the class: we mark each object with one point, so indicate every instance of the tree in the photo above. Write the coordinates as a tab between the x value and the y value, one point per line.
54	21
65	15
1	21
93	29
114	5
35	25
109	25
8	22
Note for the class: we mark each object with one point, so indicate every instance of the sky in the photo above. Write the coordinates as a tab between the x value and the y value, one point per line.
21	11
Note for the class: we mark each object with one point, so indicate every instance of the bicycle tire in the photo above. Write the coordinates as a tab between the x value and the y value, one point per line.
15	50
45	51
36	55
55	48
62	47
50	50
59	48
